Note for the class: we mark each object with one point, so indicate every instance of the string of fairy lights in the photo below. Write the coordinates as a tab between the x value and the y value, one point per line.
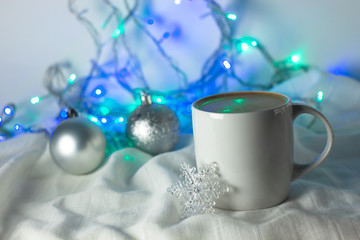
93	102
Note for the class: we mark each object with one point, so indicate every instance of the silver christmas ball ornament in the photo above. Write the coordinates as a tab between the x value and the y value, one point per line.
78	146
153	128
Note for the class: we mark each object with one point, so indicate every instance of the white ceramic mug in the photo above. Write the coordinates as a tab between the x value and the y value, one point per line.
253	147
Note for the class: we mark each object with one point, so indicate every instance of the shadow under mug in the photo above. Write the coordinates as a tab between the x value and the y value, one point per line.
253	149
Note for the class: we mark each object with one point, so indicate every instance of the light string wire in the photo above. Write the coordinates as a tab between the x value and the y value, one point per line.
215	72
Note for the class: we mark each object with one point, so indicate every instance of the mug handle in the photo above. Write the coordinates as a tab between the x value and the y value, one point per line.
301	169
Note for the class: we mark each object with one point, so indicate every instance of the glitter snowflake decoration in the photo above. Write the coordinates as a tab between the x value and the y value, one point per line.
198	190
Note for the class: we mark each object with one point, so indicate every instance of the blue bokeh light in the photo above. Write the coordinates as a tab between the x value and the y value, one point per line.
63	114
8	110
99	91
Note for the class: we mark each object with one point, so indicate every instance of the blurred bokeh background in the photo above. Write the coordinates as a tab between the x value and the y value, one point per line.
38	33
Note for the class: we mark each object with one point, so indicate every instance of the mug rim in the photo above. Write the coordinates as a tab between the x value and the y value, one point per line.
288	101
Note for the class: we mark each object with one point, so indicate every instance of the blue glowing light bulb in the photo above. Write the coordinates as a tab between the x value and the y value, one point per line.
123	72
166	35
18	127
226	64
8	110
177	2
104	120
99	91
63	114
1	120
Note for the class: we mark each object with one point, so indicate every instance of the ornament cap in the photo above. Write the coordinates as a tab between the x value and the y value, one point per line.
145	98
72	113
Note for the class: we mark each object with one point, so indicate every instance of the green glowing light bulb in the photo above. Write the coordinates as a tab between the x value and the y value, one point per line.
320	96
244	47
120	30
231	16
295	58
120	120
72	78
158	99
35	100
93	119
254	43
116	33
104	110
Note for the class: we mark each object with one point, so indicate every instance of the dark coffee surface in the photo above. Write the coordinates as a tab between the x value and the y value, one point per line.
241	102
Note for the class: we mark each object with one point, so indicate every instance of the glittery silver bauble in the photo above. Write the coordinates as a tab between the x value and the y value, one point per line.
152	127
78	146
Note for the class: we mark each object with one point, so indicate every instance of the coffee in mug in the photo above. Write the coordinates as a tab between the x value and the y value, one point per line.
247	102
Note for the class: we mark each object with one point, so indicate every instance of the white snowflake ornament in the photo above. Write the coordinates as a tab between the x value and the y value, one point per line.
198	190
